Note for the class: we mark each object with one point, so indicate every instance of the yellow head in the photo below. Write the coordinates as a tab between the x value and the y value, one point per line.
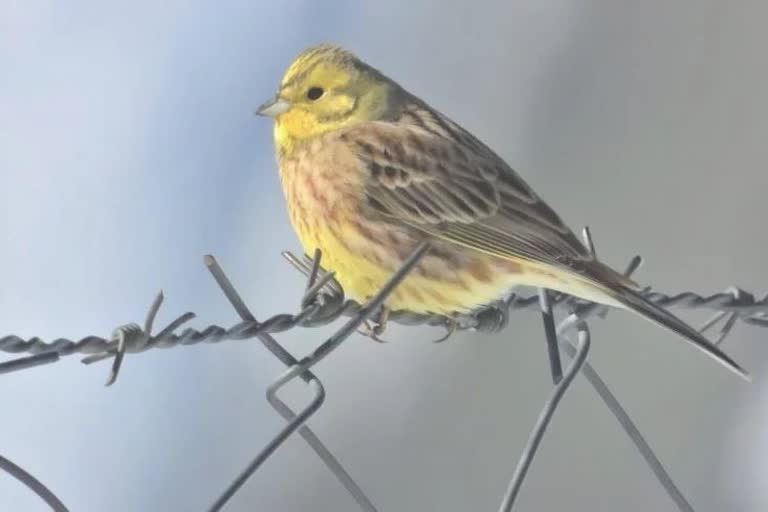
326	88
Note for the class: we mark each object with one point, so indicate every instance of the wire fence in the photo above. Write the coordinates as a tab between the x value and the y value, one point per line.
324	302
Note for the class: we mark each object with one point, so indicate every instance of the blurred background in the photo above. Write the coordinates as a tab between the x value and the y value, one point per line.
128	149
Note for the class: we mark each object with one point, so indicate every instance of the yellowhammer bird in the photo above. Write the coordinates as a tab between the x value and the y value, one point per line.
369	171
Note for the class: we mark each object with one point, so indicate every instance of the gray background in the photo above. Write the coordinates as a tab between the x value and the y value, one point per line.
128	150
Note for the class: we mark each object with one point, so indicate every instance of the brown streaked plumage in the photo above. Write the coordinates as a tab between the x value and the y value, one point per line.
369	170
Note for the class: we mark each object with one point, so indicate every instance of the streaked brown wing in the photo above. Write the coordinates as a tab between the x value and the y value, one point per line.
427	172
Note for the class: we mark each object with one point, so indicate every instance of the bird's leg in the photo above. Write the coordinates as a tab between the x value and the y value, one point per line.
375	328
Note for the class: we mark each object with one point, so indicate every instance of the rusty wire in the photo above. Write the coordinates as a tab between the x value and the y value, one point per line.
324	302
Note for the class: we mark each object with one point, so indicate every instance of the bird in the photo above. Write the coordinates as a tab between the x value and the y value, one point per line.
369	171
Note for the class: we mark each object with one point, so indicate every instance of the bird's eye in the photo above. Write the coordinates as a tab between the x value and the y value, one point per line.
314	93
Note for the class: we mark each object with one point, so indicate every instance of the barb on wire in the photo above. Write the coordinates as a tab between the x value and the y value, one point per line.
132	337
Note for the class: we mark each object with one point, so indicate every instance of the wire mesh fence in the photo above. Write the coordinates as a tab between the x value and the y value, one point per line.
324	302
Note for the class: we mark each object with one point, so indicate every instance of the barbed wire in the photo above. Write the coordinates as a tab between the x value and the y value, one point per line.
327	304
324	302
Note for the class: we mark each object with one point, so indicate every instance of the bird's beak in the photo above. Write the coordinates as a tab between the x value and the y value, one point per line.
273	107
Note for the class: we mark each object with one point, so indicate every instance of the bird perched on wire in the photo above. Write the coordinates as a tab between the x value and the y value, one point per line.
369	171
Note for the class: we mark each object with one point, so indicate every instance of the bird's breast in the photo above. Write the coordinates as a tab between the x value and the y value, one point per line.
325	198
320	191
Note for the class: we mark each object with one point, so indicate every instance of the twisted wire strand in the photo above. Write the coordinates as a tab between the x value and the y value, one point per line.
327	304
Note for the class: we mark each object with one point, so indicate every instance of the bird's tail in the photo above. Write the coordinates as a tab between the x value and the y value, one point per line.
619	288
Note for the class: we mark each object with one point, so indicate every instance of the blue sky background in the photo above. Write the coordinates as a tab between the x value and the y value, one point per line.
128	149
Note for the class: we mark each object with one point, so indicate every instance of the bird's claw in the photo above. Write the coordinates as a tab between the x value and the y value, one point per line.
450	328
375	328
